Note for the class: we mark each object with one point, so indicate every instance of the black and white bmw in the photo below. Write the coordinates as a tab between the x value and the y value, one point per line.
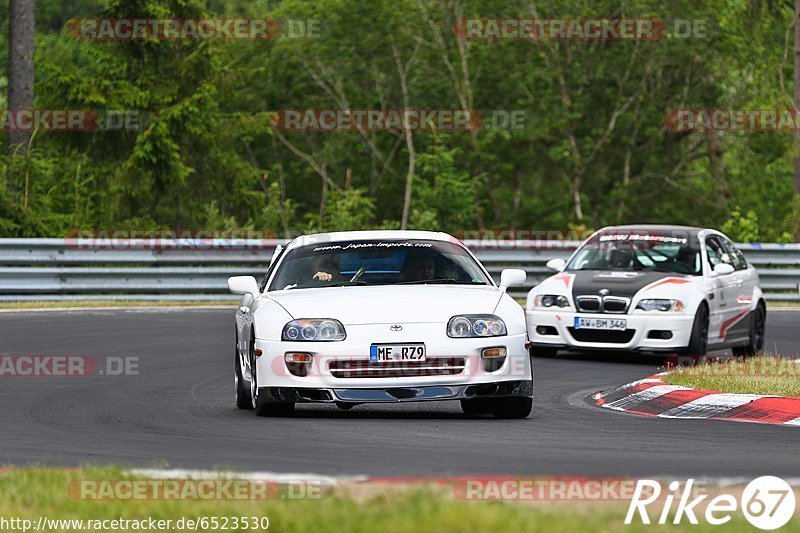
649	288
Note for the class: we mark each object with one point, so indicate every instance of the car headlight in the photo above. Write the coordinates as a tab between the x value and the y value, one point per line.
551	300
660	305
463	326
313	329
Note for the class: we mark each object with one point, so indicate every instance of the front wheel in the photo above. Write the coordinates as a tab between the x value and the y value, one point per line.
514	407
261	405
755	342
243	400
698	342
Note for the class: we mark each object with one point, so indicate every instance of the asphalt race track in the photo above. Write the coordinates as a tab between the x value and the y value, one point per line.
179	412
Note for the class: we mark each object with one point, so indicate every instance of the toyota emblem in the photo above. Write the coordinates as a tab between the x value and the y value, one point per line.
396	327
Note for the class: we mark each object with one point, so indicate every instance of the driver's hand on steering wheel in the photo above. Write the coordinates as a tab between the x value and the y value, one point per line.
322	276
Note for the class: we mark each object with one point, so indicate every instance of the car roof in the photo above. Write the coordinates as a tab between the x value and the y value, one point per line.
690	230
338	236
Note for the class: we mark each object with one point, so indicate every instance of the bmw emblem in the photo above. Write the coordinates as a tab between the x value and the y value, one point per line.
603	292
396	327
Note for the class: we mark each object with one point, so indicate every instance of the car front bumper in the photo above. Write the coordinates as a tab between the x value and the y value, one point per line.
637	336
327	373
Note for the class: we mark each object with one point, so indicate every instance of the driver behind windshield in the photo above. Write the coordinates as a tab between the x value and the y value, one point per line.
621	259
419	267
324	268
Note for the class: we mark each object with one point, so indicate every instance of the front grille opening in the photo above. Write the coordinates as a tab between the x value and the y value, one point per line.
599	335
439	366
659	334
485	389
613	305
546	330
589	304
314	395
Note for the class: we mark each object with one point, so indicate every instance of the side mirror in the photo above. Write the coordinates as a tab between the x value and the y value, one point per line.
243	285
556	264
512	277
722	269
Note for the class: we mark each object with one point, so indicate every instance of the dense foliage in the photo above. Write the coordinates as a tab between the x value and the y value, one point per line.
593	150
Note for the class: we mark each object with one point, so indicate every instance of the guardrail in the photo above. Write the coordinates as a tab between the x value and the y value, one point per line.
197	269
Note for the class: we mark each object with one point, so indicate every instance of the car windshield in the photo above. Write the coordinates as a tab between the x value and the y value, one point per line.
377	263
638	251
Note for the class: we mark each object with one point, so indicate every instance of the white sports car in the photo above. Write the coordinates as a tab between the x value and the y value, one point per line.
650	288
380	316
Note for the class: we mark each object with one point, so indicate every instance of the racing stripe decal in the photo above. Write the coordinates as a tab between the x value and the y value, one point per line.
731	321
666	281
566	278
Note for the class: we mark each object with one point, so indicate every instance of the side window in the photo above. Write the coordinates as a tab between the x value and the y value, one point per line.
737	257
716	252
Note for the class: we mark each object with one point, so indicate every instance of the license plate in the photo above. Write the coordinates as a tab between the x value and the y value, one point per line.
613	324
385	353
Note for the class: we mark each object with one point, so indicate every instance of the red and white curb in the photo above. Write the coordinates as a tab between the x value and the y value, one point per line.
653	397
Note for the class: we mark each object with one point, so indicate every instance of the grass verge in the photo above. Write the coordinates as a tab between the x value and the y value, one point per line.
758	375
31	493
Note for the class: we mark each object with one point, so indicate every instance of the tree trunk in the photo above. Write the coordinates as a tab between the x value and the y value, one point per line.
21	33
412	153
717	164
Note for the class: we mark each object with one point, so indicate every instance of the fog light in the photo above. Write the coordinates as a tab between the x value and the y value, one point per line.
297	357
297	363
493	353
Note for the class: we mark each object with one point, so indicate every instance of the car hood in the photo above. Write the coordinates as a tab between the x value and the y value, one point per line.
616	283
388	304
622	283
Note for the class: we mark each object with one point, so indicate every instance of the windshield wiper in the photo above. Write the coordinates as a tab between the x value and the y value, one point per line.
347	283
441	280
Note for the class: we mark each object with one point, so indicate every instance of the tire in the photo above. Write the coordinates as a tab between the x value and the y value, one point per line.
698	342
543	352
243	400
262	406
476	406
515	407
755	343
